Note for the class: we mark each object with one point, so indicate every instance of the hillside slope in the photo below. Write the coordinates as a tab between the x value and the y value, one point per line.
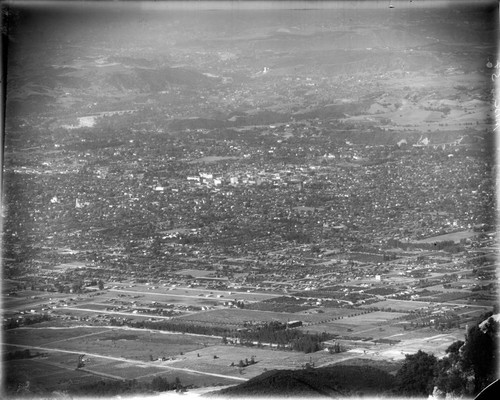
327	382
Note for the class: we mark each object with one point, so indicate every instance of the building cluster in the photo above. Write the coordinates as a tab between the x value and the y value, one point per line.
285	207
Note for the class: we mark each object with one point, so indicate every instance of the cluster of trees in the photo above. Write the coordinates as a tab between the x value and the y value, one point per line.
13	323
77	286
246	362
185	327
293	339
467	368
308	343
161	384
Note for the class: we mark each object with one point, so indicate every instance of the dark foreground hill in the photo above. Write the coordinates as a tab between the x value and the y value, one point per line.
333	382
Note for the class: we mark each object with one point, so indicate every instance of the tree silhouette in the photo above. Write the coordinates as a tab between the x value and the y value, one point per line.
416	376
480	353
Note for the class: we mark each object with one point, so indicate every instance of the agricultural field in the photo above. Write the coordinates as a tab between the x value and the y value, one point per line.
399	305
376	325
426	340
196	273
328	313
174	297
377	317
126	354
127	343
188	293
74	313
279	307
58	369
42	337
26	299
236	317
448	296
266	359
45	374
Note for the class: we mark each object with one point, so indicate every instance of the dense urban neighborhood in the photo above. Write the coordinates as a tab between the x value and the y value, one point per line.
242	209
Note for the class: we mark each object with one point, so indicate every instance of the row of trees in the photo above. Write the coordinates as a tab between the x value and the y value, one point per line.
184	327
77	287
293	339
467	368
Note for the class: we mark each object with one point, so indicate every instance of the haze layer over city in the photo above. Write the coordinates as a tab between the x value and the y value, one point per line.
249	198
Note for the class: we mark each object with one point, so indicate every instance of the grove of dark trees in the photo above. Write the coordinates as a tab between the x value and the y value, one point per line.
466	370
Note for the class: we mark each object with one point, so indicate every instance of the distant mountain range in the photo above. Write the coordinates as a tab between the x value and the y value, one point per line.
195	69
